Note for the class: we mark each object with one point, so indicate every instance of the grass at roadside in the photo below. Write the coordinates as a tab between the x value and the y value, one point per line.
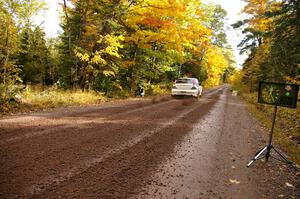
287	125
56	98
34	99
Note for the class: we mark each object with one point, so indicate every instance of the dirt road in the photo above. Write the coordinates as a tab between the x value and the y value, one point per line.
154	148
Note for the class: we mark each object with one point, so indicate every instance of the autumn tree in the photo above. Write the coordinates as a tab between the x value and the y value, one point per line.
272	40
90	27
112	46
180	31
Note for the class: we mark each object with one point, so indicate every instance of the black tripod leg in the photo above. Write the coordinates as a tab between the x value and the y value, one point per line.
257	155
269	147
285	159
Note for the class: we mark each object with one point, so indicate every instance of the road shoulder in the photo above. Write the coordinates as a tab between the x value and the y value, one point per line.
242	136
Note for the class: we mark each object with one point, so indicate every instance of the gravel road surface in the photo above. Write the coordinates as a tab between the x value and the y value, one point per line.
149	148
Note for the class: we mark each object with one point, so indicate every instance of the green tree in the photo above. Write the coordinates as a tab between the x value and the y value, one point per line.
285	40
34	57
215	16
15	15
272	41
8	49
83	26
54	60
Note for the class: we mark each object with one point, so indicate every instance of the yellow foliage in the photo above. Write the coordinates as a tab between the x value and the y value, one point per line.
97	59
108	73
236	77
293	80
177	24
258	8
215	64
113	45
262	54
83	56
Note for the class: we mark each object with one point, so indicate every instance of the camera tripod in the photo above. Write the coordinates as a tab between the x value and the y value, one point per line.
266	151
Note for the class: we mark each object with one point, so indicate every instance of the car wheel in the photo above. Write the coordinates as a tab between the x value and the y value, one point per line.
200	94
196	97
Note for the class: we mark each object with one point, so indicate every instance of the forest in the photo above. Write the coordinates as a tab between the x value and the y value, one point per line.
109	47
272	42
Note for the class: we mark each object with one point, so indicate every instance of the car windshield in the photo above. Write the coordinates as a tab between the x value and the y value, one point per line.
185	81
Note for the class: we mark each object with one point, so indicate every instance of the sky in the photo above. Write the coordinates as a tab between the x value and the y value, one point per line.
233	8
50	17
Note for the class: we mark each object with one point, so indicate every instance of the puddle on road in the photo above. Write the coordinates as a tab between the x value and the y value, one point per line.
187	173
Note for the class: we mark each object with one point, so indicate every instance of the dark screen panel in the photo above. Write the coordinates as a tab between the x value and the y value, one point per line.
278	94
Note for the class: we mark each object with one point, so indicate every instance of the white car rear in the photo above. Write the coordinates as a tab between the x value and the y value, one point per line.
187	86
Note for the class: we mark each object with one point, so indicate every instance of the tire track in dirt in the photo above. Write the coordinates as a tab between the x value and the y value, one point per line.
40	156
10	125
54	148
81	167
188	172
121	154
73	124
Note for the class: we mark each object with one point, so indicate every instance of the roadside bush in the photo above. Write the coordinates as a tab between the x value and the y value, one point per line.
156	89
9	80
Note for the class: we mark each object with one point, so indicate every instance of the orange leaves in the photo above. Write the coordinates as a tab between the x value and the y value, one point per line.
128	64
155	22
152	22
175	24
176	29
256	6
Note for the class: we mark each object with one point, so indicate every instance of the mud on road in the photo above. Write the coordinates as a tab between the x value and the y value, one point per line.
159	148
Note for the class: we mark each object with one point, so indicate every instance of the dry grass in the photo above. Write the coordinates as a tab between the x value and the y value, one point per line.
52	98
37	97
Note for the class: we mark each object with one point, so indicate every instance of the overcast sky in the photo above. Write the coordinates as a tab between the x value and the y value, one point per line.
233	8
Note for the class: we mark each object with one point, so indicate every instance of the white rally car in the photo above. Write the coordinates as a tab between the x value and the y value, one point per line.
187	86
